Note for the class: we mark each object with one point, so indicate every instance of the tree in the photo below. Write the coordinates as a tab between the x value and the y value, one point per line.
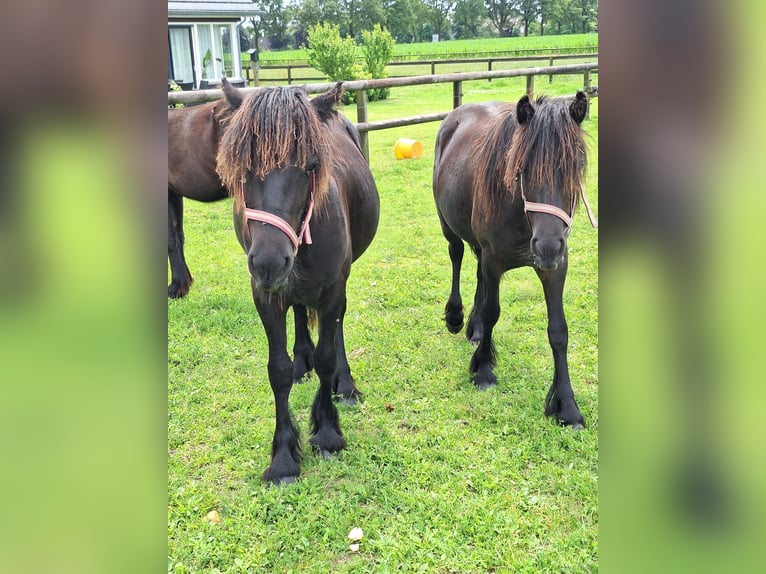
527	10
308	13
270	21
588	14
469	14
399	16
441	11
360	15
545	9
500	13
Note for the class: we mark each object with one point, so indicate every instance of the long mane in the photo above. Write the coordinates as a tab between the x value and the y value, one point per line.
273	129
549	147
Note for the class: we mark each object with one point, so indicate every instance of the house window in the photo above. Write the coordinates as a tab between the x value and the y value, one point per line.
208	71
180	60
215	51
224	44
203	51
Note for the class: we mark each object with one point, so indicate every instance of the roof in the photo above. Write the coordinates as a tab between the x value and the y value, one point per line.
234	8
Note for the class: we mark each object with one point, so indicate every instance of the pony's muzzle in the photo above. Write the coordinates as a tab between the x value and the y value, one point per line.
270	270
548	253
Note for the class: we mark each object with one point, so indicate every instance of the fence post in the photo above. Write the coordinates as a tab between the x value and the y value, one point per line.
433	68
457	94
489	69
550	63
530	86
254	69
289	75
586	89
361	118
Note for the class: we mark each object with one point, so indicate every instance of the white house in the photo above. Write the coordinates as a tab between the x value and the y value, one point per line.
203	42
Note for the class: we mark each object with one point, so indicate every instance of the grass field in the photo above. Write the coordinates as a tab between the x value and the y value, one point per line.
451	49
459	48
441	477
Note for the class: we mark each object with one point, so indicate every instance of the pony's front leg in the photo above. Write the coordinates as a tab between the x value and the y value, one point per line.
285	447
560	400
344	386
180	276
303	349
325	425
483	360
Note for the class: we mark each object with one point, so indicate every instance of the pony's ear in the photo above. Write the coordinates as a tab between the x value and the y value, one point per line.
232	94
524	110
579	107
324	104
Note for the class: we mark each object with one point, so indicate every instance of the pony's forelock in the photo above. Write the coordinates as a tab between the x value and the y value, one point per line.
547	145
273	129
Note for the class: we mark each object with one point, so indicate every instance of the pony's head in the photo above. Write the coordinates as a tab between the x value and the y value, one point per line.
274	159
546	163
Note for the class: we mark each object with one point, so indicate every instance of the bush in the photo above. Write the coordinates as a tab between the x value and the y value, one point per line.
337	57
377	50
175	88
330	54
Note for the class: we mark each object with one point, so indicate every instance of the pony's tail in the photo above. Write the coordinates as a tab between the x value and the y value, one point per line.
312	318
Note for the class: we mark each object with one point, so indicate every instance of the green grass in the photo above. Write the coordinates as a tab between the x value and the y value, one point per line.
451	49
441	477
457	48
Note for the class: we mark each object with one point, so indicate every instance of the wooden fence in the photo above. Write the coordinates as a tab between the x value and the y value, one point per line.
456	79
250	73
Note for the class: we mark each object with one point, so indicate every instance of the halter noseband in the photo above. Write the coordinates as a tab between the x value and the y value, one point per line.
304	232
557	211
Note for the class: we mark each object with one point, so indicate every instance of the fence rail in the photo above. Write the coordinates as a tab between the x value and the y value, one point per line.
361	87
250	74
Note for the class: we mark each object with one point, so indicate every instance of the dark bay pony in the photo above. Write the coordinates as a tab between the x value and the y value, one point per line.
305	207
506	181
193	135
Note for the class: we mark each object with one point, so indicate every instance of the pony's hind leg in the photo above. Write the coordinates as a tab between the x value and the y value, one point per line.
303	348
285	446
474	330
344	387
180	276
453	310
325	424
560	401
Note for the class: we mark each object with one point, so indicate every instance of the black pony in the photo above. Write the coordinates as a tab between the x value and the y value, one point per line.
193	135
305	207
507	182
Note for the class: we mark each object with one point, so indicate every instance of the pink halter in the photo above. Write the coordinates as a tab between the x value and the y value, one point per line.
558	212
304	233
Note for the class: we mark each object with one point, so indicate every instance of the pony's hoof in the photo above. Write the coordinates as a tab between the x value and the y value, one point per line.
349	401
454	327
484	379
578	427
486	385
300	380
287	480
325	454
176	292
301	370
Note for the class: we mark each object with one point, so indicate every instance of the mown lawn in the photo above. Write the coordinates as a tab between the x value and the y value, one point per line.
441	477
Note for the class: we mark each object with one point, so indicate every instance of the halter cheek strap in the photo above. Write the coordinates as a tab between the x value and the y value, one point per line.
304	232
557	211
